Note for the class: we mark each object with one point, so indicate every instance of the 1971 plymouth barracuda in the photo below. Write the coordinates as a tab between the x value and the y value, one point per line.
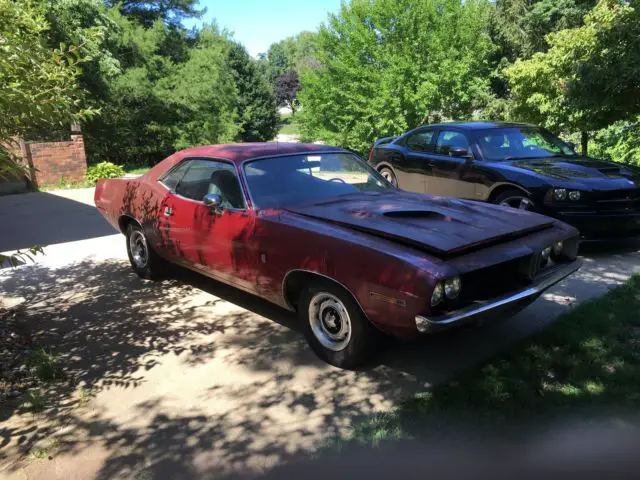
516	165
317	230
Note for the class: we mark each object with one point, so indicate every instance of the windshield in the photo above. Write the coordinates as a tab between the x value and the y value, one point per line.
279	181
521	142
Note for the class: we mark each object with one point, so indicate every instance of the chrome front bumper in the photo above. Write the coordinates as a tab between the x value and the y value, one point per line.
510	303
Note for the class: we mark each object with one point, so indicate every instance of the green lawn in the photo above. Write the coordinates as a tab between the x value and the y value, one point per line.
587	363
137	171
289	124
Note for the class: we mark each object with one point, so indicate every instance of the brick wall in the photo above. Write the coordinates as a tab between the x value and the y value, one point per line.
48	163
51	162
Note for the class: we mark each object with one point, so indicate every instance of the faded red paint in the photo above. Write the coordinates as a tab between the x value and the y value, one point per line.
351	242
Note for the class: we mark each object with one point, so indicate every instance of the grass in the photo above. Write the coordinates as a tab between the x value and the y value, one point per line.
587	363
44	364
63	184
137	171
289	124
36	400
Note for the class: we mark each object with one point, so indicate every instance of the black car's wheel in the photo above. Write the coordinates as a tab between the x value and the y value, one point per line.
144	261
515	199
388	174
335	326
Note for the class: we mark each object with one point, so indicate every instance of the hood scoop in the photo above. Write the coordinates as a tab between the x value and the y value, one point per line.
437	225
414	214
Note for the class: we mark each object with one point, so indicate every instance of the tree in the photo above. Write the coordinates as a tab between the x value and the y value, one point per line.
256	106
38	84
170	11
287	88
388	65
588	79
295	53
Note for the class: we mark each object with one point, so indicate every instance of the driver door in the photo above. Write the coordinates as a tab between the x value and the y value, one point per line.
216	241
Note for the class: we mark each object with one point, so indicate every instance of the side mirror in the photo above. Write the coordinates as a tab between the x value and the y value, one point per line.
213	201
460	152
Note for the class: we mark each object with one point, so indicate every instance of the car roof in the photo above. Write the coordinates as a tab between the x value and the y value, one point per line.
238	152
479	125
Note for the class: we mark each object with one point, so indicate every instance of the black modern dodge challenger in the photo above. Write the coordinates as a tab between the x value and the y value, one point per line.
516	165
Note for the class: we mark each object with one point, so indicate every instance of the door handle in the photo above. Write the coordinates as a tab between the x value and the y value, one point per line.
168	211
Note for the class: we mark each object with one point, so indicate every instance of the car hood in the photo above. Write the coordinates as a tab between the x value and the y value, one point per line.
441	226
579	169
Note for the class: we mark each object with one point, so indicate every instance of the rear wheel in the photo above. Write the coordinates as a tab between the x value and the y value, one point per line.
388	174
515	199
335	326
144	261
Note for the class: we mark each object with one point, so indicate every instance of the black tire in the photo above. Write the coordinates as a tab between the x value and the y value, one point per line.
515	198
387	173
153	266
363	340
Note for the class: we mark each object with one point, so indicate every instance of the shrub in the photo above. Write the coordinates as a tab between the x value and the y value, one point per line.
104	170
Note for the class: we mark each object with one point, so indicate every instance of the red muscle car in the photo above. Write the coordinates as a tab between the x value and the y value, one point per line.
315	229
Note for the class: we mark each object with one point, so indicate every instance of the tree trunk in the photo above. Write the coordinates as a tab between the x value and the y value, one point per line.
584	142
293	109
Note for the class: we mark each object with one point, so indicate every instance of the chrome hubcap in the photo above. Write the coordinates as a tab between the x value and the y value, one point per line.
330	322
388	176
138	248
521	203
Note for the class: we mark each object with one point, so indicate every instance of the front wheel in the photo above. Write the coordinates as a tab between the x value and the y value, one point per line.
144	261
335	326
515	199
389	176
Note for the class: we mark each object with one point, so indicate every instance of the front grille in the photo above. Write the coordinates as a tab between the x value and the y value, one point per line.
618	200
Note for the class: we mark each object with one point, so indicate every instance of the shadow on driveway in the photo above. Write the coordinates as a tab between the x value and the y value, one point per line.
195	376
41	218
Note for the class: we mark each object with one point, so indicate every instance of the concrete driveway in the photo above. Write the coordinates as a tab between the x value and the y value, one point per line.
191	378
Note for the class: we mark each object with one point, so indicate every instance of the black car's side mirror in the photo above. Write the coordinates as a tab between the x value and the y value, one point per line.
460	152
214	202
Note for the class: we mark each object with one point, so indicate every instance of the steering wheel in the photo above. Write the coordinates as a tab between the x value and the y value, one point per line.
337	179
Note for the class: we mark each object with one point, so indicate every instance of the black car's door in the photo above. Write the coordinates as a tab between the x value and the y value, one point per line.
418	147
451	174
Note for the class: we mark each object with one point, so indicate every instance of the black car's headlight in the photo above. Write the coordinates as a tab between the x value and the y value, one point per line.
564	195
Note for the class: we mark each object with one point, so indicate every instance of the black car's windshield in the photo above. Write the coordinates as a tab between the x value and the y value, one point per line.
280	181
515	143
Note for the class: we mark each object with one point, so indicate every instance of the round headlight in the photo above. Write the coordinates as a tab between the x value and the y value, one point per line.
557	248
452	287
438	293
560	193
546	253
574	195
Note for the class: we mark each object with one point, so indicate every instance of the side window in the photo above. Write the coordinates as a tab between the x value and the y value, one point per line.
204	177
173	177
420	141
449	139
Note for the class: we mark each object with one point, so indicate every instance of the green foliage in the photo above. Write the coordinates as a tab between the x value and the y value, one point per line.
103	170
619	142
169	11
297	53
37	401
21	256
390	65
257	118
587	79
44	364
38	83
